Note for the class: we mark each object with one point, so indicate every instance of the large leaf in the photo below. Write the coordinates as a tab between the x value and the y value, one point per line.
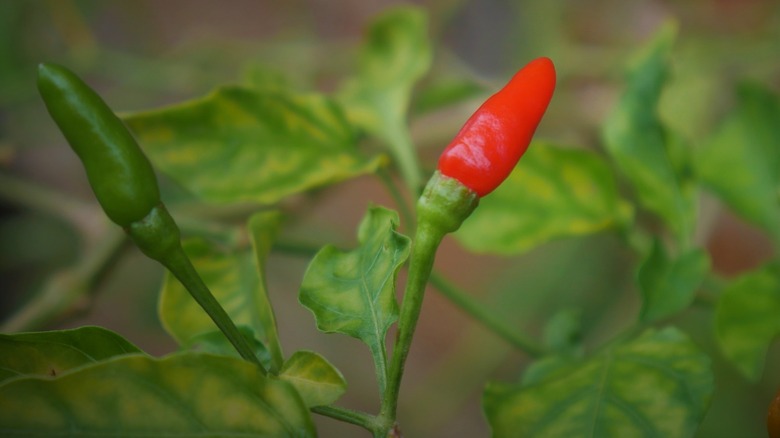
318	382
657	385
244	144
741	163
354	292
669	285
747	319
51	353
639	144
184	395
396	54
554	192
233	277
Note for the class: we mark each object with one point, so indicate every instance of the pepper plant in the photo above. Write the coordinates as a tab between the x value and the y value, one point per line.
256	147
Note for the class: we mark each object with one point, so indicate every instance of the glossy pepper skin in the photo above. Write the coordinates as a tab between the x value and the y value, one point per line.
118	171
494	138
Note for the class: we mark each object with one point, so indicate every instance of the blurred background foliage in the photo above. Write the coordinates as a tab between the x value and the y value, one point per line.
141	54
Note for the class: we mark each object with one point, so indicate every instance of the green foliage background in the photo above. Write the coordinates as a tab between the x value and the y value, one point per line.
143	54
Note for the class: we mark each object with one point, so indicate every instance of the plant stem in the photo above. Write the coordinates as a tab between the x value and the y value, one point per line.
426	242
361	419
66	288
405	155
158	236
403	206
475	310
180	266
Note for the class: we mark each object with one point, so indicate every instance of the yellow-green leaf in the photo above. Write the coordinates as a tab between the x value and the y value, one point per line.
317	381
247	144
263	228
657	385
235	277
396	53
747	319
354	292
668	284
135	396
640	144
552	193
741	162
54	352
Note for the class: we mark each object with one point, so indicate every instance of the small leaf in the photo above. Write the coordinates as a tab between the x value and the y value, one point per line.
445	90
397	52
657	385
243	144
552	193
354	292
741	163
183	395
216	343
641	147
563	333
318	382
669	286
54	352
542	369
746	319
263	228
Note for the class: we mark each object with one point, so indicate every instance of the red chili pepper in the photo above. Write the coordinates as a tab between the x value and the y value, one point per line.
494	138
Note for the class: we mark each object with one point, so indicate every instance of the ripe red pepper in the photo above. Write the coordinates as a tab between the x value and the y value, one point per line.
494	138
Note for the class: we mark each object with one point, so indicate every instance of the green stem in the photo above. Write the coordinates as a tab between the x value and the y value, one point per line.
158	236
403	206
361	419
443	206
67	288
180	266
32	195
485	317
406	157
426	242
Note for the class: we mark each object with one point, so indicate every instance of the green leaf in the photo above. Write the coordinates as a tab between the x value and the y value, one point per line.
446	90
657	385
263	228
669	285
552	193
639	145
232	276
52	353
397	53
741	162
318	382
184	395
563	333
217	343
747	319
354	292
243	144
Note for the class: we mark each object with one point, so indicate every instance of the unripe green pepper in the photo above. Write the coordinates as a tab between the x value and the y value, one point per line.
118	171
126	186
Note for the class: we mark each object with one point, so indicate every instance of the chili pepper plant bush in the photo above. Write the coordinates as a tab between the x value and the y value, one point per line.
252	150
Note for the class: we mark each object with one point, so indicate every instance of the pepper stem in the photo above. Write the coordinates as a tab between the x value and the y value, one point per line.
443	206
157	235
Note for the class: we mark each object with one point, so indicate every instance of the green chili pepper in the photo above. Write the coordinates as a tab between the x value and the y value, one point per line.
125	185
118	171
